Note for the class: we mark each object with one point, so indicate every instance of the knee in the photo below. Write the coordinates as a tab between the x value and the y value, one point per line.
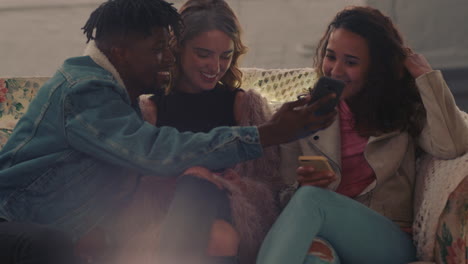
224	239
322	250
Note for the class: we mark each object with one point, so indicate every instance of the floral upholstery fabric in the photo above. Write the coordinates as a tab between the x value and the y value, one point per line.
15	96
4	134
452	235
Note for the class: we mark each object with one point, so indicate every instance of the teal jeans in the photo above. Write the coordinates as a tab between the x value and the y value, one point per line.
357	233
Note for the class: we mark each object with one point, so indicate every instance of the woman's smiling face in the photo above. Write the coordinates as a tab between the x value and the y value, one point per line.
347	58
204	60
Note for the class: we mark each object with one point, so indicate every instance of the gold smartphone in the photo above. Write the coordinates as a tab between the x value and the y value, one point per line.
320	163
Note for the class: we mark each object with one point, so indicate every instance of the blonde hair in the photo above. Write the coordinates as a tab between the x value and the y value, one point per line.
201	16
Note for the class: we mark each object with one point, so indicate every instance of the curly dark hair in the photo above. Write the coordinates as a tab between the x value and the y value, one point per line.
389	100
114	20
201	16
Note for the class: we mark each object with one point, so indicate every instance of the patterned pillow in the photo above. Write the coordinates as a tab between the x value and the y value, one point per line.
452	234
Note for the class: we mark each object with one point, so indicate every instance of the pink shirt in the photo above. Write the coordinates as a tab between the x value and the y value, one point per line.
356	173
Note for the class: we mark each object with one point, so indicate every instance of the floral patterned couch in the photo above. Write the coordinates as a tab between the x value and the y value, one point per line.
15	95
441	203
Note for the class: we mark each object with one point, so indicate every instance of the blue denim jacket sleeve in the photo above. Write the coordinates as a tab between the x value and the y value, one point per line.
100	121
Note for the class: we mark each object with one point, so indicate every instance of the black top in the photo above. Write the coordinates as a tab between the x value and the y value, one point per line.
199	112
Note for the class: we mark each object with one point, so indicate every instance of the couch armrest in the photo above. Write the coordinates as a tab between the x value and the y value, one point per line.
451	244
436	180
15	96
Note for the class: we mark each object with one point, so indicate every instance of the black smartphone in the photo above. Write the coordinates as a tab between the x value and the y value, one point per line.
323	87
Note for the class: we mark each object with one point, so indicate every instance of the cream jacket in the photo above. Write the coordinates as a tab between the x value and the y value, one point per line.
392	155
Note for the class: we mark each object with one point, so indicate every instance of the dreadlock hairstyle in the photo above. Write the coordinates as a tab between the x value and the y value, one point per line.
115	20
389	100
201	16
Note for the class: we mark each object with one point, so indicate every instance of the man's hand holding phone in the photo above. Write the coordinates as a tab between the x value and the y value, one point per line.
293	121
323	88
314	171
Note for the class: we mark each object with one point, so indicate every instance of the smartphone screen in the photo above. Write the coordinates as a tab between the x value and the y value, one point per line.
323	87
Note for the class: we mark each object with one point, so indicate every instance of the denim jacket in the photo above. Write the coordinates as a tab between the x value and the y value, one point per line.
77	152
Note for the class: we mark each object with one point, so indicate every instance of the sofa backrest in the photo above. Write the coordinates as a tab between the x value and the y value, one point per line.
276	85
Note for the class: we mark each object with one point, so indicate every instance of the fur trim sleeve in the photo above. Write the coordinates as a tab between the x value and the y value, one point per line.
256	111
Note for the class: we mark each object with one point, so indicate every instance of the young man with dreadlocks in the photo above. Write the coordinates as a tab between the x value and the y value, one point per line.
77	154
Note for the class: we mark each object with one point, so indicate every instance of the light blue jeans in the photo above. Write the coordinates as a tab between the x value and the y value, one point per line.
357	233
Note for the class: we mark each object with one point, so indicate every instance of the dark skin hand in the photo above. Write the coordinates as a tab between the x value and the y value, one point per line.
293	121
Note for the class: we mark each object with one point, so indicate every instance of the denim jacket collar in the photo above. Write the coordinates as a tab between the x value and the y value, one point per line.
101	59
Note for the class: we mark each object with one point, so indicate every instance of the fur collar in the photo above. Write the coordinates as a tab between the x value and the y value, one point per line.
101	59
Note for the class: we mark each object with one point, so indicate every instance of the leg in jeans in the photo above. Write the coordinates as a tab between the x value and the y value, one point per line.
22	243
357	233
186	229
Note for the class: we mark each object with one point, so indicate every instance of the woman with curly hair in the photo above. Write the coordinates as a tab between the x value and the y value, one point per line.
393	105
